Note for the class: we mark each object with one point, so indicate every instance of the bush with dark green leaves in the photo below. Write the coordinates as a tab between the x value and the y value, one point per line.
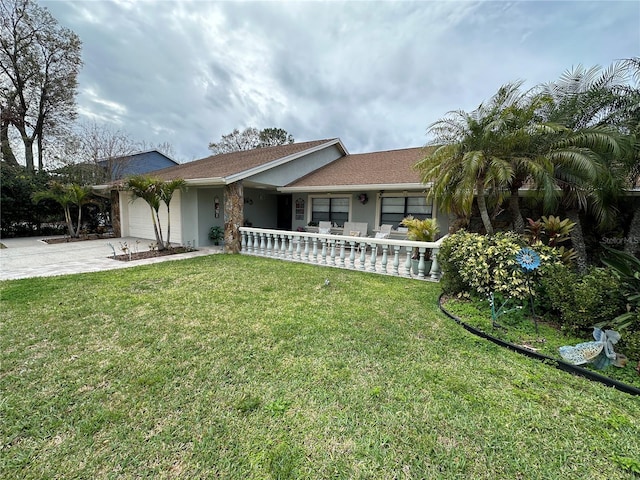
580	301
20	216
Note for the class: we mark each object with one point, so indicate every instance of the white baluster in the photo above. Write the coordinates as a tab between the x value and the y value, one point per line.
291	249
407	263
272	247
306	248
374	257
352	254
333	251
269	251
435	267
363	255
263	244
385	250
243	242
314	253
421	263
396	260
323	254
342	243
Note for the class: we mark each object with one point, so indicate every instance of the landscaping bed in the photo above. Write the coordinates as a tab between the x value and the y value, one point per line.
518	329
125	257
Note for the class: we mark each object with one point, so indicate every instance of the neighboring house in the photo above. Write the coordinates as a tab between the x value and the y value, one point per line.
136	163
286	187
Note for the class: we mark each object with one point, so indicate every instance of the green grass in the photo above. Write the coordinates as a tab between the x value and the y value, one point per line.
250	368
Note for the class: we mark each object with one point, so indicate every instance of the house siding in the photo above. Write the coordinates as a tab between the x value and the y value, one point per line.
287	173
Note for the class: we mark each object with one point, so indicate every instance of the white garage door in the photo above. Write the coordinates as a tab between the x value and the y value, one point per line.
141	225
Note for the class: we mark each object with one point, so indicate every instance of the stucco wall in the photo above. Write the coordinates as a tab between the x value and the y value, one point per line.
206	213
260	208
287	173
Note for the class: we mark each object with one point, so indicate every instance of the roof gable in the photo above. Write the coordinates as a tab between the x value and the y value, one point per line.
231	167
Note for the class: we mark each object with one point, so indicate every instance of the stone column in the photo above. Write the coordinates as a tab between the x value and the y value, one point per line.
115	213
233	216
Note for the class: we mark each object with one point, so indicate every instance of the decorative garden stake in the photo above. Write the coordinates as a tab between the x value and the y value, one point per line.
529	260
497	313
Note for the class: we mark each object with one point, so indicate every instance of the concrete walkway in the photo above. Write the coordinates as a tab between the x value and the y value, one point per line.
32	257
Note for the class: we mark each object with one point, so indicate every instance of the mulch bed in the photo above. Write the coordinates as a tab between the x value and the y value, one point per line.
151	254
125	257
84	238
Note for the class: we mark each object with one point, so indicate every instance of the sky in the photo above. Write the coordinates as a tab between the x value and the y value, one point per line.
375	74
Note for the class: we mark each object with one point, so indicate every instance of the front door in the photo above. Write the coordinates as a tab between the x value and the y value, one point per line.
284	220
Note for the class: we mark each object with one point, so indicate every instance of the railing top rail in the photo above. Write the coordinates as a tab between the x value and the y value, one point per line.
330	236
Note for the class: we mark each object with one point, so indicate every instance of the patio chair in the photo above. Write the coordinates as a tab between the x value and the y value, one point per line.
355	229
384	232
324	227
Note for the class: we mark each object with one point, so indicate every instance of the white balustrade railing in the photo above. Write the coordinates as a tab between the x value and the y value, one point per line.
376	255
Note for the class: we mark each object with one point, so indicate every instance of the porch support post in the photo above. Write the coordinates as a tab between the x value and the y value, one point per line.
115	213
233	216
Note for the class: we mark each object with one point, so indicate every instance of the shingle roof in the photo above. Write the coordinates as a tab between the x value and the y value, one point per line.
377	168
229	164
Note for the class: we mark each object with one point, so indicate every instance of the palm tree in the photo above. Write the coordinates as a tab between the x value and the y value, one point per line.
471	156
586	146
629	118
519	134
167	190
148	189
67	195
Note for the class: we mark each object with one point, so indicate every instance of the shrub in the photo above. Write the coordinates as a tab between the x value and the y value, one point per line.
481	264
451	281
630	345
626	267
580	301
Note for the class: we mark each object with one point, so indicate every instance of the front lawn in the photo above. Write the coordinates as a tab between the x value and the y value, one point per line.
241	367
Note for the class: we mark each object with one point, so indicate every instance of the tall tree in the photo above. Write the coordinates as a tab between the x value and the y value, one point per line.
589	150
469	159
40	61
105	148
271	137
249	139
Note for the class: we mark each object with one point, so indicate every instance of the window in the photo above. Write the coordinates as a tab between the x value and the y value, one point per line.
330	209
299	209
394	209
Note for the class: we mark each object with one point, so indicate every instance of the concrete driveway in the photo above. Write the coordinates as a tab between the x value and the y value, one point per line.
32	257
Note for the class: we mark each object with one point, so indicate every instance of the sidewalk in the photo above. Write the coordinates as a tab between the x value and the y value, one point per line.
32	257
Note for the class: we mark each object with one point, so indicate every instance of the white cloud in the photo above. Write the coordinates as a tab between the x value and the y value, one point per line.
375	74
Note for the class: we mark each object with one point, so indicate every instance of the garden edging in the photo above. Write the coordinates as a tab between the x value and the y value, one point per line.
560	364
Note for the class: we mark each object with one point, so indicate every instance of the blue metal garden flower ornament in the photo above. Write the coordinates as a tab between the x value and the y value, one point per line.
528	259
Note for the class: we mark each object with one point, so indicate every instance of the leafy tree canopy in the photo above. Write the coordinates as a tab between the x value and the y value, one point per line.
40	61
249	139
